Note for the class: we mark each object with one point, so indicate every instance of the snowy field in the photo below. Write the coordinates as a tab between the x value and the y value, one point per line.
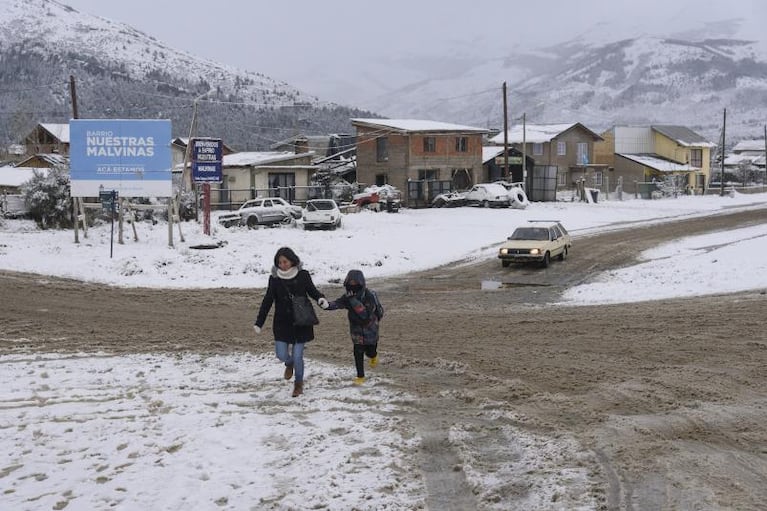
96	431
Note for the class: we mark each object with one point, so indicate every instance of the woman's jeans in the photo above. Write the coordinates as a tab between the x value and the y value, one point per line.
296	359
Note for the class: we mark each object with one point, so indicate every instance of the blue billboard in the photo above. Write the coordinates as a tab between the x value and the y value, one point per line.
207	158
130	156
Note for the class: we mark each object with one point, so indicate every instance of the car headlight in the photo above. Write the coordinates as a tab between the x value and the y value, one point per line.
535	251
504	251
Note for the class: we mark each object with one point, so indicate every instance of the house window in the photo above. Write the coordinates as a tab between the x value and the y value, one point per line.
537	149
583	153
562	178
382	149
598	178
428	174
696	157
429	144
461	144
282	185
561	148
381	179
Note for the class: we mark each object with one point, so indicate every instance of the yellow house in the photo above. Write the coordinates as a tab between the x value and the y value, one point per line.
640	154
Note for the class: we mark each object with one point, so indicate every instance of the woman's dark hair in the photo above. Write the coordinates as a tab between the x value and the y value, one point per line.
288	254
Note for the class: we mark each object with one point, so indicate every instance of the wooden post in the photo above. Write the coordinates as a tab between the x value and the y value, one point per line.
721	179
120	218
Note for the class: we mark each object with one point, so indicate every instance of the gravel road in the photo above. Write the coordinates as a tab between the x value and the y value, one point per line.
652	405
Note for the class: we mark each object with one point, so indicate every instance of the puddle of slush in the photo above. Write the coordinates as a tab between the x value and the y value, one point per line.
491	285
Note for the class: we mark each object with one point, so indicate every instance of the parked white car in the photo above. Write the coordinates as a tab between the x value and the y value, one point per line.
487	195
321	214
262	211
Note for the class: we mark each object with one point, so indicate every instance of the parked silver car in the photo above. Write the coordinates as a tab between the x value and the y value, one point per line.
262	211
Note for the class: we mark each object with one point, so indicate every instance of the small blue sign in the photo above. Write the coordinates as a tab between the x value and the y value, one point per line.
130	156
207	156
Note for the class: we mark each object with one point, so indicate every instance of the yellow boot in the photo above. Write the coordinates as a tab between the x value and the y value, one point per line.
359	380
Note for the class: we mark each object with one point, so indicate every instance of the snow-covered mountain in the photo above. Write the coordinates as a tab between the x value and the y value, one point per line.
646	79
676	73
122	72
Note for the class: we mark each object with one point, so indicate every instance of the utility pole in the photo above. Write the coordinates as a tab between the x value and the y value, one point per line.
527	182
505	134
73	95
721	180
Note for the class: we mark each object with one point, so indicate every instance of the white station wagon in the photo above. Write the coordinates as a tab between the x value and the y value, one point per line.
537	241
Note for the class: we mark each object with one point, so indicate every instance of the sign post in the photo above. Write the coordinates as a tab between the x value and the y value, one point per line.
108	200
207	156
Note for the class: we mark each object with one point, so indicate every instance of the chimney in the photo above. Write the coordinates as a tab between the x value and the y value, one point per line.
301	143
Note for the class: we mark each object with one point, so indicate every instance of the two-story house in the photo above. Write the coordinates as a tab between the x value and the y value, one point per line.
48	138
567	148
661	153
420	158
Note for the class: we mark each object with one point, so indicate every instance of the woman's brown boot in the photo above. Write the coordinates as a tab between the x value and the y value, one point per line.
298	388
288	372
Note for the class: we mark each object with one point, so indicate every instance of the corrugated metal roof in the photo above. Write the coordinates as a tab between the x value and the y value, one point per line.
60	131
247	159
658	163
538	133
683	135
413	125
749	145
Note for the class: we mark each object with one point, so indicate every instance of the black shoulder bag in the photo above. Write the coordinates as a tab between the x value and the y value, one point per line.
303	312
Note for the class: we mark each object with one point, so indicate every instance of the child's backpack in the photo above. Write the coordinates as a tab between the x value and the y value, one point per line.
379	310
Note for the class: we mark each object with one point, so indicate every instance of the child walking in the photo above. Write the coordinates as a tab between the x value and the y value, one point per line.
364	312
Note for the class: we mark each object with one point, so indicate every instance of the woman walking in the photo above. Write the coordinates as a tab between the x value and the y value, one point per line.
288	280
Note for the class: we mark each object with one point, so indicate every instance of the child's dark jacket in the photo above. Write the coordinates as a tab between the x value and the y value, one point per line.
364	311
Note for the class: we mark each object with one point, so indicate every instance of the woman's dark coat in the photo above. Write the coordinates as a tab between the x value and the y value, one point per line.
277	294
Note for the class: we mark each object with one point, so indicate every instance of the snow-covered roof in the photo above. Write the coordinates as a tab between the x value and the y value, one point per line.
535	133
411	125
16	176
683	136
749	145
490	151
52	159
733	160
60	131
658	163
247	159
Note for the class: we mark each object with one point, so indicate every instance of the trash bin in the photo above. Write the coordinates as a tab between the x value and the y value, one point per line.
594	195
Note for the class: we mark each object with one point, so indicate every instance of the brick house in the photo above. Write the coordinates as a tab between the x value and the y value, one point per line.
420	158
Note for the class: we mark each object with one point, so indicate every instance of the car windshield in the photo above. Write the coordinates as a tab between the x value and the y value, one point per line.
530	233
320	205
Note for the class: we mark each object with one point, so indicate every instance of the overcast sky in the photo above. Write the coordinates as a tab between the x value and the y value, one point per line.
290	41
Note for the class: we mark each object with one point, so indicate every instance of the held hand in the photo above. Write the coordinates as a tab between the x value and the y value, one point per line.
257	329
323	303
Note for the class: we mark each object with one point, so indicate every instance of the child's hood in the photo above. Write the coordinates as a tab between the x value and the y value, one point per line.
355	275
